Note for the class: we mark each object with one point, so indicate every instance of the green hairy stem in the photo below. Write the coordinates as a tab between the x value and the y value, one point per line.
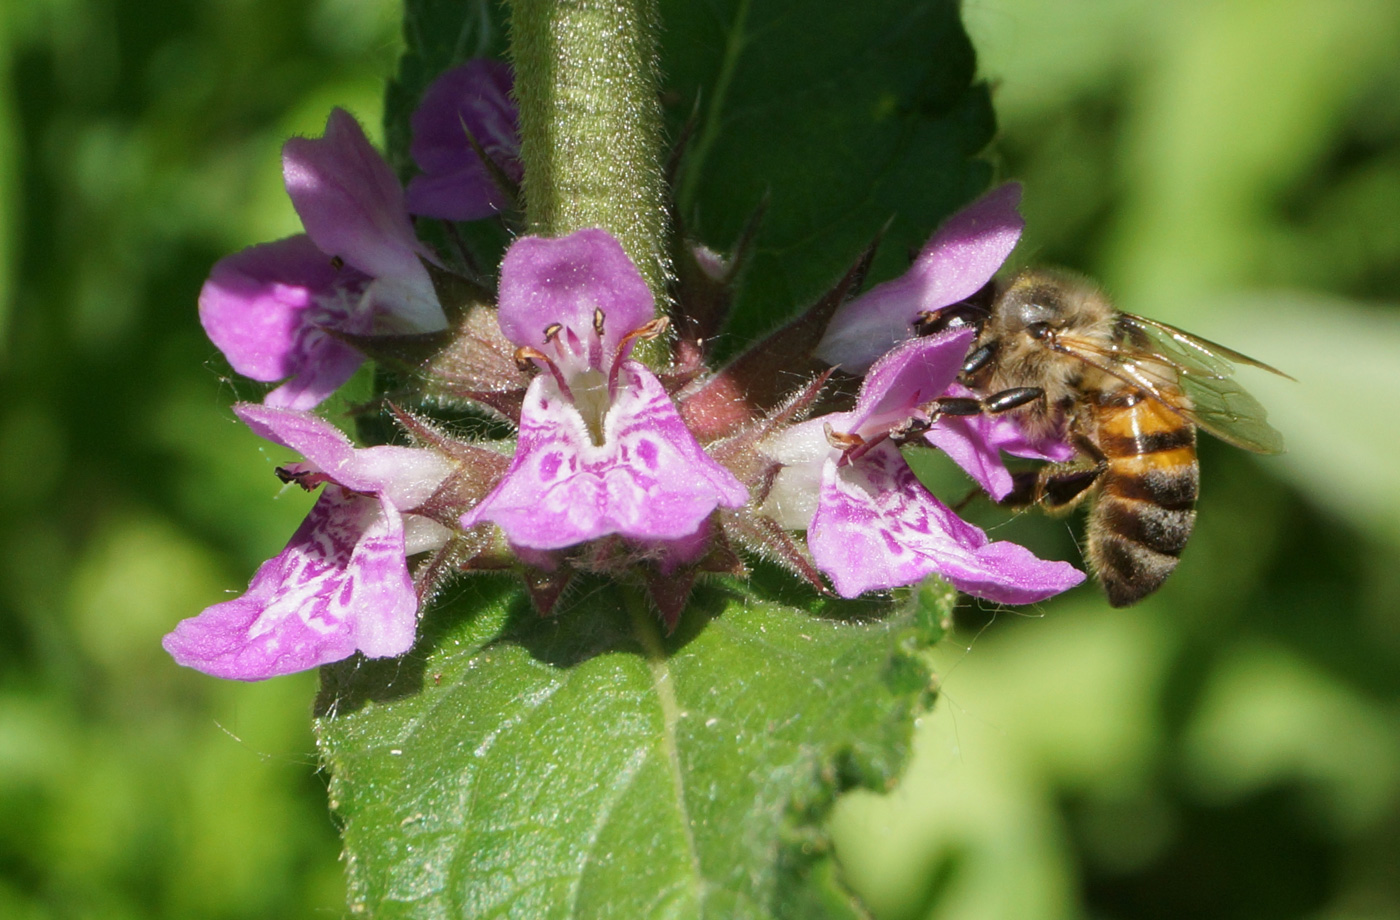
586	79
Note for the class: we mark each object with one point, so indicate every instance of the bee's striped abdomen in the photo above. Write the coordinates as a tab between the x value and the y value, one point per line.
1146	500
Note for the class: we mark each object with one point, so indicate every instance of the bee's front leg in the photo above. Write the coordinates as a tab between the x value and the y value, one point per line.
962	406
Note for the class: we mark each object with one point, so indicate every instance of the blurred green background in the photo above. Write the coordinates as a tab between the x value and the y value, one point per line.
1230	748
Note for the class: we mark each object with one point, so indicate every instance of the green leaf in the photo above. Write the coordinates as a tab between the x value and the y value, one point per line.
583	766
844	115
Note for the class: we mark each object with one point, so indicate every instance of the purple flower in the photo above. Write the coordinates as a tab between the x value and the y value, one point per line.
342	584
270	308
870	523
455	184
976	442
602	449
954	264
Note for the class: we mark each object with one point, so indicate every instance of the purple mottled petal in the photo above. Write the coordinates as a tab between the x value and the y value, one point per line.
877	527
912	374
340	586
648	480
564	281
352	206
455	184
957	261
260	305
976	443
405	476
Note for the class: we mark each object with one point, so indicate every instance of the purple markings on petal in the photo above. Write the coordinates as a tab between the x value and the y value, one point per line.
455	184
565	280
267	308
648	480
877	527
957	261
340	586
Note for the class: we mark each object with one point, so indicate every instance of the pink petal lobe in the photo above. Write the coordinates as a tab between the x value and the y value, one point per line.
323	445
648	480
566	281
976	443
341	585
352	206
264	307
877	527
961	256
908	376
405	476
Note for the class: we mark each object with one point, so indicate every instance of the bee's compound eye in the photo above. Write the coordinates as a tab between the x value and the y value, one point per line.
1038	330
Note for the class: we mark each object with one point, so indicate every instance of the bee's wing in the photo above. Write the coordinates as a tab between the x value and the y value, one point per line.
1205	372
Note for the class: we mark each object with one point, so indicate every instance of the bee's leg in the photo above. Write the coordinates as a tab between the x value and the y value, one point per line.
1058	486
995	404
962	406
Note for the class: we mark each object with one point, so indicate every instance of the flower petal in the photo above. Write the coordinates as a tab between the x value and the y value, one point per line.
910	375
328	363
648	480
340	586
877	527
405	476
455	184
352	206
961	256
566	281
976	443
266	309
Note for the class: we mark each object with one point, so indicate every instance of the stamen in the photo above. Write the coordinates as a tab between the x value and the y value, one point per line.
527	358
851	445
645	332
841	440
551	332
598	321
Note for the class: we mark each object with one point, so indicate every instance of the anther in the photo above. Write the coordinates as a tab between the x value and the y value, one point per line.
525	357
842	440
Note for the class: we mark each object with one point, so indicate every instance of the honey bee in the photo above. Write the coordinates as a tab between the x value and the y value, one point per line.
1128	393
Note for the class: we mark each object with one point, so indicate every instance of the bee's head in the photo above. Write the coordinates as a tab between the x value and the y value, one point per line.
1034	304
